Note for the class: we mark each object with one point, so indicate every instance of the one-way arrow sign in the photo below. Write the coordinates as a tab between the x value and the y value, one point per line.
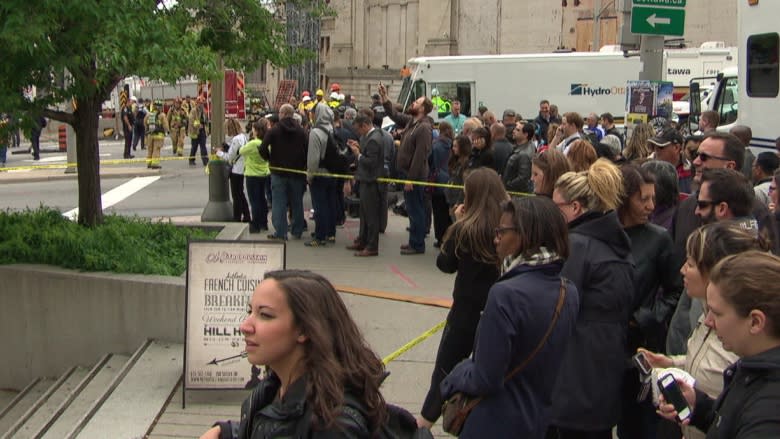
653	20
657	21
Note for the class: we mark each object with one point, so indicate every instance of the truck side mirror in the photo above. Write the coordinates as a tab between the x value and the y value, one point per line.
694	107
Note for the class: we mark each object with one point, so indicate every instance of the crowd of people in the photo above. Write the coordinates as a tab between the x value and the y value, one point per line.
574	248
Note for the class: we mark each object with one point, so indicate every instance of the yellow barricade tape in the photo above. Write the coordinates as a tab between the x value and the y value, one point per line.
417	340
272	168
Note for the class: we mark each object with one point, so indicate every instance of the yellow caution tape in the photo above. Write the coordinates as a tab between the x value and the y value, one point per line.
272	168
417	340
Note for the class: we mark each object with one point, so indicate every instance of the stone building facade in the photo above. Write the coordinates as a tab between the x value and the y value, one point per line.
370	40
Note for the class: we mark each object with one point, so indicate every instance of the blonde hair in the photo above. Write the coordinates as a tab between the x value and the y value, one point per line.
599	189
636	147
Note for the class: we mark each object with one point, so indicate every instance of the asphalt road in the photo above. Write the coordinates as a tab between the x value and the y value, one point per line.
181	190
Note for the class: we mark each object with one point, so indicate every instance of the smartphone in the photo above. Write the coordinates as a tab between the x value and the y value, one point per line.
642	364
673	395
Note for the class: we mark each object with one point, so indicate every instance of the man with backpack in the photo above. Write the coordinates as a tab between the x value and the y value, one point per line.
284	146
324	190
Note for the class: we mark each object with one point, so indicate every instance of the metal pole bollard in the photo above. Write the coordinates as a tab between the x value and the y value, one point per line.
219	208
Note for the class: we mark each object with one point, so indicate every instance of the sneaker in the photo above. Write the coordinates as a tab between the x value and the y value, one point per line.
273	237
315	243
331	239
411	251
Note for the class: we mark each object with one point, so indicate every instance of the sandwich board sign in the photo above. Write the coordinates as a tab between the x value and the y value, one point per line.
221	277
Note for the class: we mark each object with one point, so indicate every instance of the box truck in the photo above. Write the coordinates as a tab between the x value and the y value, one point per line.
748	94
582	82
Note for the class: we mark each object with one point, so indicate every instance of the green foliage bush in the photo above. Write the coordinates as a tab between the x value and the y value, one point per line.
120	244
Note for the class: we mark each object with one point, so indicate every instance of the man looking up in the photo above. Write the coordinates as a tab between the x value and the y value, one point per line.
412	164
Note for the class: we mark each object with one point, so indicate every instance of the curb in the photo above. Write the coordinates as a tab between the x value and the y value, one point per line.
63	176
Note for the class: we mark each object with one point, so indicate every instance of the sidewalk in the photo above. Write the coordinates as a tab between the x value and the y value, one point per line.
58	173
387	324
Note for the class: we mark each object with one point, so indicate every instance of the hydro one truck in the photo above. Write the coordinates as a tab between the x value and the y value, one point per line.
748	94
581	81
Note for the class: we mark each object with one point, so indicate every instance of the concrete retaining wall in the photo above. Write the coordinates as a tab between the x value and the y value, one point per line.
53	318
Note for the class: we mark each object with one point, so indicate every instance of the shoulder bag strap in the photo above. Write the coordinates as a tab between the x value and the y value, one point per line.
558	307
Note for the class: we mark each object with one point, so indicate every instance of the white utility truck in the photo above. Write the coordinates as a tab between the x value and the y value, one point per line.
748	93
580	81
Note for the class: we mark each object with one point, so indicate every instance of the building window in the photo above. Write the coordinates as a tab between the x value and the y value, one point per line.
763	75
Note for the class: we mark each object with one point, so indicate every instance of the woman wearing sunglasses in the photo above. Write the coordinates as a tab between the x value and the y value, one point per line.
518	328
744	312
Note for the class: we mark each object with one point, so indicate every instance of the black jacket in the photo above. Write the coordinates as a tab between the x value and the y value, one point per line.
502	149
517	174
481	157
658	286
284	146
264	415
749	406
474	278
587	393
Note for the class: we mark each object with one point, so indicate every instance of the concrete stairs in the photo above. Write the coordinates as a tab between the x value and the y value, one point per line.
119	397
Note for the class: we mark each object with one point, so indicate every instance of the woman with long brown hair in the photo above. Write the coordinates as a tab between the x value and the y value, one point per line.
546	168
457	164
323	378
467	250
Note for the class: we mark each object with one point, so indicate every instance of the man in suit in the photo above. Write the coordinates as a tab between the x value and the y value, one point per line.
370	166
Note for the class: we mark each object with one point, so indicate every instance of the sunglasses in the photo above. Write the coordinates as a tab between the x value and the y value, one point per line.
704	157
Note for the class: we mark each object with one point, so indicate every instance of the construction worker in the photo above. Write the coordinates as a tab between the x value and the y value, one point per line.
306	104
156	125
335	101
441	105
177	121
319	97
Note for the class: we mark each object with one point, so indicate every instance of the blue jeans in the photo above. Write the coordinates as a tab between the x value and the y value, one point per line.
3	153
255	188
287	190
323	199
415	208
199	142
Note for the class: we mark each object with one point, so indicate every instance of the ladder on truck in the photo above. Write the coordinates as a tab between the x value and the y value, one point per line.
287	89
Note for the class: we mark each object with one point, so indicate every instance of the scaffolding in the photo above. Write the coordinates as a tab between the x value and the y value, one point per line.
303	31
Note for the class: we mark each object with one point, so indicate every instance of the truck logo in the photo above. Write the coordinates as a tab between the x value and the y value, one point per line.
678	71
586	90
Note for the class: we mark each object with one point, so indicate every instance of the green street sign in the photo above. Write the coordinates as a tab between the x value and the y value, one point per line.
667	3
657	21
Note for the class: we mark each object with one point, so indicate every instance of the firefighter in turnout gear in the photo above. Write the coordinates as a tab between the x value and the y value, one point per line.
156	125
177	122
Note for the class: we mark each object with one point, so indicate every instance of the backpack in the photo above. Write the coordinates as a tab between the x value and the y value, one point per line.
334	161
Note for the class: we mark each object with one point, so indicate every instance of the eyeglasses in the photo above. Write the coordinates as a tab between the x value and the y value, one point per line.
703	204
704	157
501	230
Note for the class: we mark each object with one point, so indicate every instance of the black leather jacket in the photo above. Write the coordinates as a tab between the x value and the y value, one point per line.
265	415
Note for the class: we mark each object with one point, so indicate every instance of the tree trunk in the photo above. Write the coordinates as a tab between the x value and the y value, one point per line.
85	126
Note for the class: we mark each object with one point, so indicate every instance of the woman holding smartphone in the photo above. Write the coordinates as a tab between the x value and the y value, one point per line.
744	311
706	358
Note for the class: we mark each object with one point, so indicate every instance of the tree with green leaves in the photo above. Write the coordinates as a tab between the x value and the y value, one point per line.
75	52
